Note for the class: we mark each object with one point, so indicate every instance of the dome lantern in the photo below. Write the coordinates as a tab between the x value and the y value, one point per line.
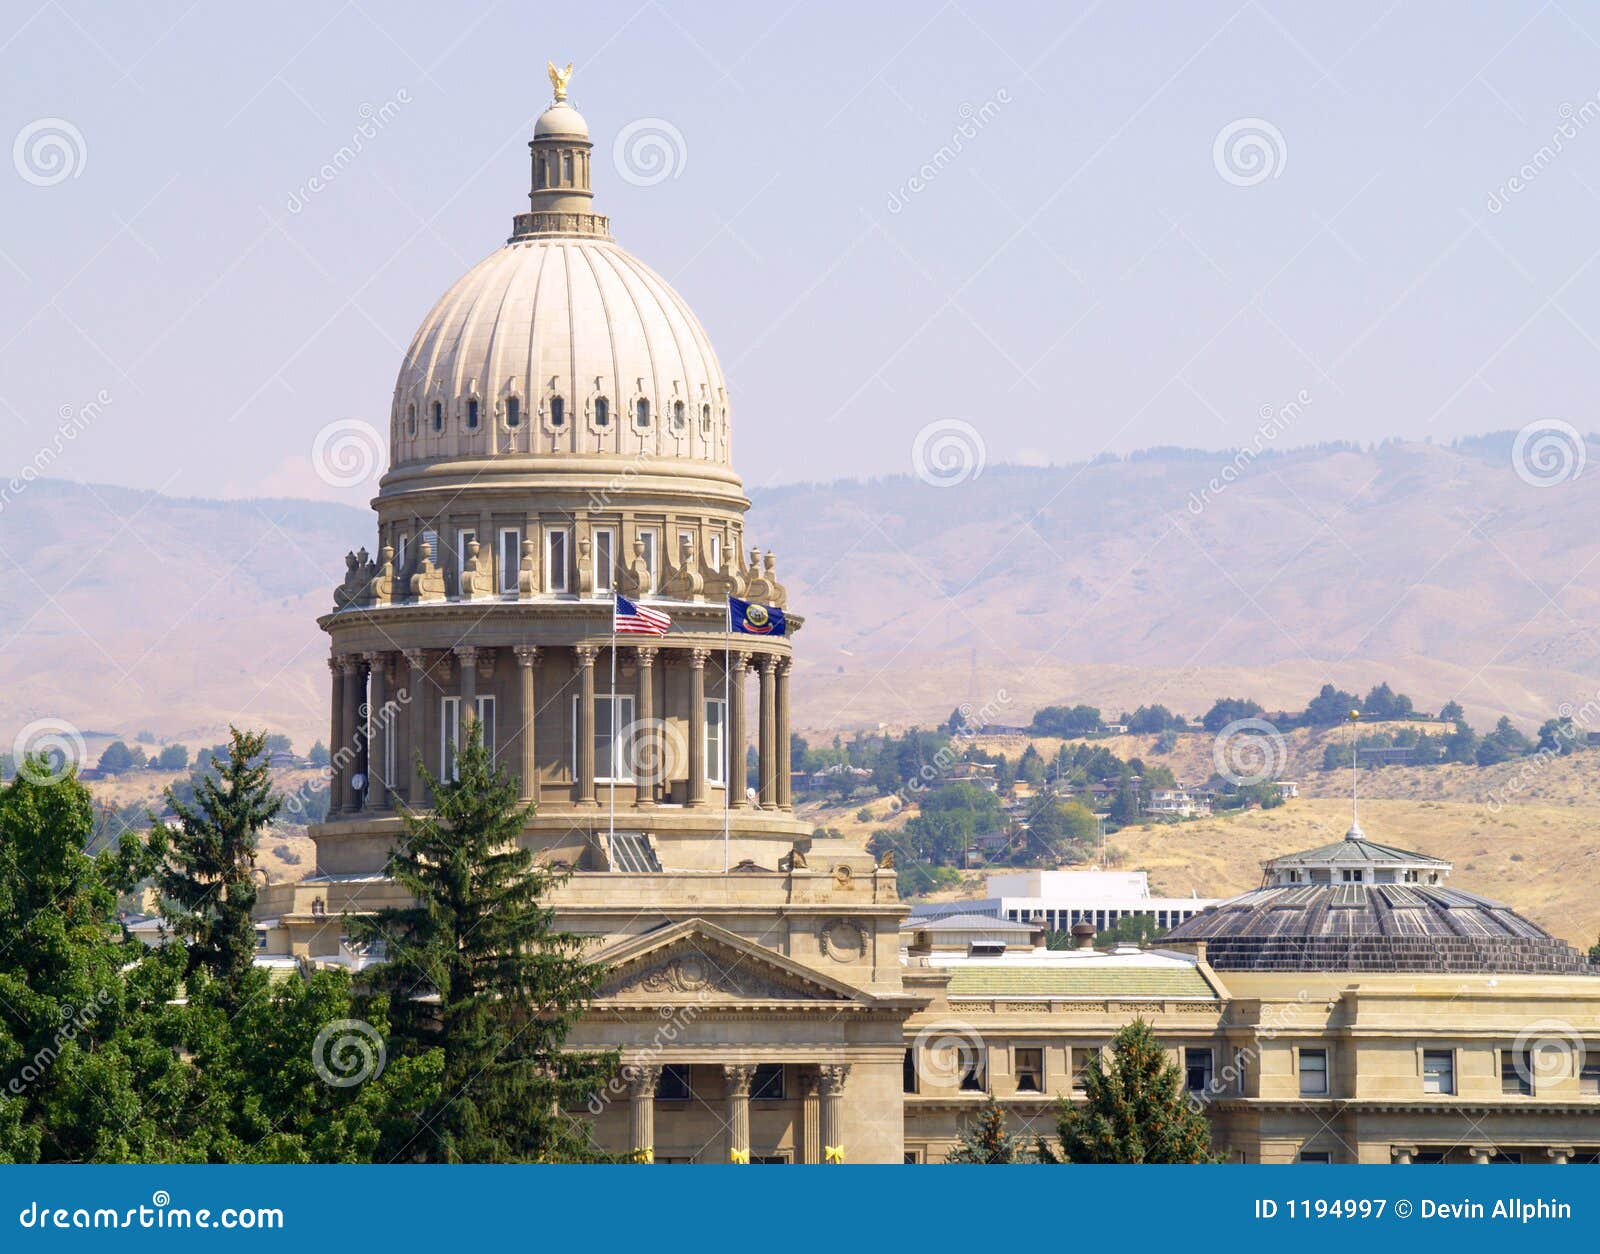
560	199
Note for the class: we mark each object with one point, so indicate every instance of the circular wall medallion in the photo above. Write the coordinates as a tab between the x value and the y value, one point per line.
843	940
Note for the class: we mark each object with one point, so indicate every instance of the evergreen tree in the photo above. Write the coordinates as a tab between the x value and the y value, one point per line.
1134	1111
475	969
985	1139
207	887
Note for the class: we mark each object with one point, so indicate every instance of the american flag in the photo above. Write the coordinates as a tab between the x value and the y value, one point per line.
629	619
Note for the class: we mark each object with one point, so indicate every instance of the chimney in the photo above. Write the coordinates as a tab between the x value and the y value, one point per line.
1083	935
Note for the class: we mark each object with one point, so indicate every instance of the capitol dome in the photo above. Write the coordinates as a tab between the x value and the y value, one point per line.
560	342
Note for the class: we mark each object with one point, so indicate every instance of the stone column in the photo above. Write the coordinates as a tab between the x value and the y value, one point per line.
697	726
336	772
417	687
586	656
1561	1155
350	672
1480	1155
642	1082
380	731
810	1115
738	785
833	1077
781	764
738	1077
646	755
768	748
1403	1154
528	708
467	660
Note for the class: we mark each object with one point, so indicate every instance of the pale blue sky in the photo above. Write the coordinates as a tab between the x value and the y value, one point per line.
1079	278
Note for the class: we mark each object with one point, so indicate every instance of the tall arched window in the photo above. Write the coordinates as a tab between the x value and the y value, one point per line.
705	420
641	414
558	412
472	412
513	412
602	412
438	416
411	420
566	168
677	415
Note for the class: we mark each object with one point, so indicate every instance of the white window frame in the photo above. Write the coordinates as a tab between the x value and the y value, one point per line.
510	571
605	559
400	553
432	539
624	702
716	550
650	539
450	731
464	537
556	574
716	745
1448	1086
1325	1070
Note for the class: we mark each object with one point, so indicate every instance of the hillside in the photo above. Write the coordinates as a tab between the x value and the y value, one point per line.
1438	569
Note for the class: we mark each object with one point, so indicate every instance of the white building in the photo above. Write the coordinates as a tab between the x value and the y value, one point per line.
1058	899
1180	802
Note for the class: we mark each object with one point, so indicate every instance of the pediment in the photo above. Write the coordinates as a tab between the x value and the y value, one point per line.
701	963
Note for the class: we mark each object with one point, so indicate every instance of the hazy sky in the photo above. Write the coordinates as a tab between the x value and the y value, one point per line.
1092	263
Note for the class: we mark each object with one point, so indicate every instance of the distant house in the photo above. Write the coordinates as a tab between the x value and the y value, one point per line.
1114	729
1287	788
1179	802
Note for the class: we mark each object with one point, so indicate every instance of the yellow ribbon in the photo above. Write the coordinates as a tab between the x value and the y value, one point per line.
739	1156
833	1153
646	1155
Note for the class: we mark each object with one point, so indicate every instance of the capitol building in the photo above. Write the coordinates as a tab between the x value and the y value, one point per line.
561	433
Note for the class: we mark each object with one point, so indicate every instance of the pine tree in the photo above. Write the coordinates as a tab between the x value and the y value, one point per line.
1135	1110
207	885
985	1139
476	969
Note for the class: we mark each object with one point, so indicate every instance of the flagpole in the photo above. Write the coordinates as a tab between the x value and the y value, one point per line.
611	839
727	723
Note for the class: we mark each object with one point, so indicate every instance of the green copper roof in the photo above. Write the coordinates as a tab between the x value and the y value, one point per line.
1077	981
1355	852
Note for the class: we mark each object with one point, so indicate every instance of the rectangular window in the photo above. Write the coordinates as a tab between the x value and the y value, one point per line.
510	560
716	551
767	1084
400	554
1516	1072
1315	1156
605	559
1589	1076
652	558
1081	1058
1197	1070
1029	1068
261	938
450	732
716	742
464	537
1438	1071
974	1069
608	719
908	1072
431	539
1241	1070
1313	1073
555	559
673	1085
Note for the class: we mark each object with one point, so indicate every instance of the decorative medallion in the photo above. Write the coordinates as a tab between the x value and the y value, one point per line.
844	940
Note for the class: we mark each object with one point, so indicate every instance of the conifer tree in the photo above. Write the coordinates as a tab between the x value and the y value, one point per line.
1135	1110
986	1139
475	968
207	885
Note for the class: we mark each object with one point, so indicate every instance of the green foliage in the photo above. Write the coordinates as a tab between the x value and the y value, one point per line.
1560	735
318	756
986	1139
1134	1110
1452	712
476	970
207	887
1061	720
1382	702
1154	718
173	757
1503	743
277	742
117	758
1229	710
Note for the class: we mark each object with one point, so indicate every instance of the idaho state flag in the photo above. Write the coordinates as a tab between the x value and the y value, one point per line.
756	620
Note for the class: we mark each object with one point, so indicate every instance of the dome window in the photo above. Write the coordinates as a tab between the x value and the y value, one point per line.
513	412
558	412
411	420
642	412
677	415
705	420
602	412
472	413
438	416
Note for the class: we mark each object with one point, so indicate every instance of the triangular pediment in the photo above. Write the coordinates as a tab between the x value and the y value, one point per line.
697	961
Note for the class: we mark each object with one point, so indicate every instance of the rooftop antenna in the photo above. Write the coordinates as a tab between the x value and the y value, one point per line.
1355	832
